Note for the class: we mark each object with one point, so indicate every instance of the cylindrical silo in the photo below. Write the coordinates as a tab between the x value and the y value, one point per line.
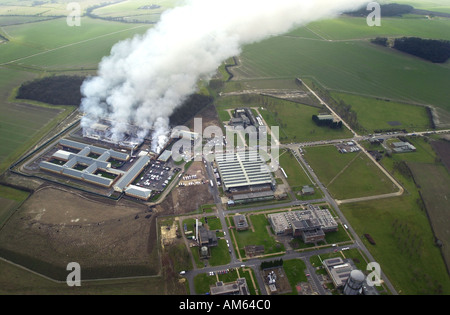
354	283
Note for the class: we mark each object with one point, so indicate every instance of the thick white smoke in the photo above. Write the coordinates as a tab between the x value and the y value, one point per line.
145	78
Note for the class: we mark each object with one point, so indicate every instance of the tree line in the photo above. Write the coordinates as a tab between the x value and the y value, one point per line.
55	90
437	51
392	9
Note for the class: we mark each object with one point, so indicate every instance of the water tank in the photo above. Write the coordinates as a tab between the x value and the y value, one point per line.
354	283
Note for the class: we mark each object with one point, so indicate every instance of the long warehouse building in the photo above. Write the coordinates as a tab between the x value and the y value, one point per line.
244	172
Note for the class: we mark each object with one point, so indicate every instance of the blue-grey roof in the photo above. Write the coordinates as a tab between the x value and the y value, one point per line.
97	179
91	148
132	173
73	173
51	167
85	152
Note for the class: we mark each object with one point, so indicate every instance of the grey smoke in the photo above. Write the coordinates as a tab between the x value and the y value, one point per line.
147	77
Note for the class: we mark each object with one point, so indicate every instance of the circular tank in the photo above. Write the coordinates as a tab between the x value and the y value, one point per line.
354	282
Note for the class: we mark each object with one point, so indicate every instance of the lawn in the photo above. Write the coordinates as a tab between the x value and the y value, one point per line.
295	271
260	236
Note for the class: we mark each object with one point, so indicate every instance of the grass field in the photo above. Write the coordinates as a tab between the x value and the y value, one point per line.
10	199
434	183
347	176
52	44
375	114
414	267
14	280
297	177
350	28
405	245
130	10
341	61
296	124
431	5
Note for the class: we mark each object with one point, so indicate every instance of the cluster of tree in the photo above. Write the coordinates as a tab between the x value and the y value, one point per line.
327	122
194	104
382	41
391	9
343	109
55	90
272	264
437	51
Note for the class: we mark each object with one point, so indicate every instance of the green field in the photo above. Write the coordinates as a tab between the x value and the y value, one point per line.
296	124
22	124
375	114
339	60
350	28
130	10
297	177
347	176
405	245
54	45
431	5
434	183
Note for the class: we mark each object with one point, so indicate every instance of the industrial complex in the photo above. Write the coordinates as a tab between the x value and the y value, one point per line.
310	225
245	176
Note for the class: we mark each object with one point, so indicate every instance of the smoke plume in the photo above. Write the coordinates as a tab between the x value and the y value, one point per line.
147	77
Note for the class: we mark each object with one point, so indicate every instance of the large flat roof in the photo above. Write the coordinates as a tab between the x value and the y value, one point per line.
132	173
138	192
85	149
243	169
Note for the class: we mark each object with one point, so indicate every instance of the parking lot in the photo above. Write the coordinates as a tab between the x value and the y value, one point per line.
157	176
